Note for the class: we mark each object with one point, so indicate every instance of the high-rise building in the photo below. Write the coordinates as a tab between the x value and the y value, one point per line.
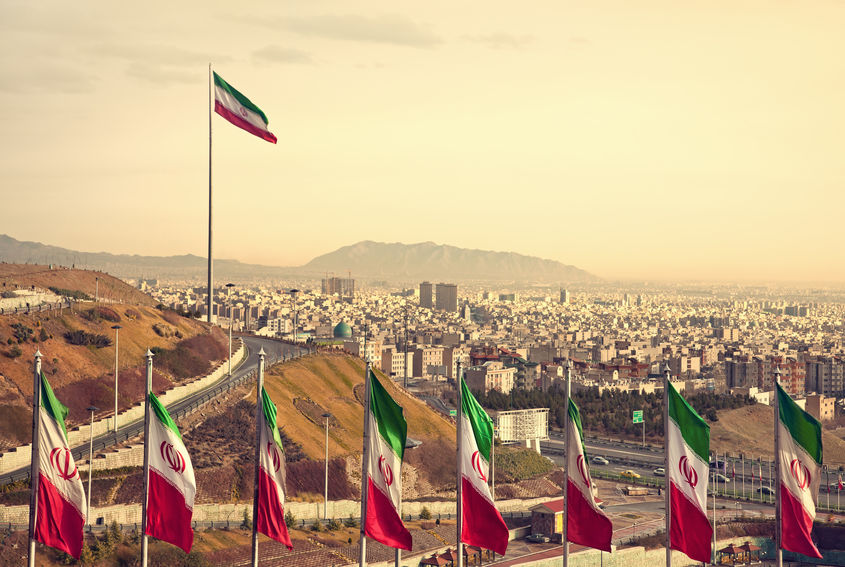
564	296
447	297
425	295
344	287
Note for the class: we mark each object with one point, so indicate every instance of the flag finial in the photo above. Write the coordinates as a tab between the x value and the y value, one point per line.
261	352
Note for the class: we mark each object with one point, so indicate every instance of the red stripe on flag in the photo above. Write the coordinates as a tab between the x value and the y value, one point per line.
168	518
796	525
271	516
59	522
241	123
690	532
586	526
383	523
483	526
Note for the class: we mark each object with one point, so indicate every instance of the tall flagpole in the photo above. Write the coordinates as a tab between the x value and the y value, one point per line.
778	535
259	403
147	391
365	472
210	301
667	501
34	473
566	434
460	464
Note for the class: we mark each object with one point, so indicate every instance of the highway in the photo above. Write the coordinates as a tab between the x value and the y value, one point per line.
275	352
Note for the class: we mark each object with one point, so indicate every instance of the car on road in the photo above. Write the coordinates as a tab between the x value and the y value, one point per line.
659	472
598	460
538	538
722	478
629	474
766	490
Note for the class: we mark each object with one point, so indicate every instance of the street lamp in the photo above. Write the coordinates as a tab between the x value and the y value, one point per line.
293	293
116	335
92	409
97	290
326	499
229	287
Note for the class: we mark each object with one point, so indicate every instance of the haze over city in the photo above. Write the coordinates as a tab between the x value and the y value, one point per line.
655	140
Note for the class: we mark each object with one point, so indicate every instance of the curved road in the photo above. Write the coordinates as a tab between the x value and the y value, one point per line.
275	352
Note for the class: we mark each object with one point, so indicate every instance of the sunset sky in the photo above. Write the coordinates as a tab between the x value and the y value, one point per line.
648	140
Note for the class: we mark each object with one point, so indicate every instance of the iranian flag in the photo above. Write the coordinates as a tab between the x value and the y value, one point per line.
239	110
60	514
271	477
171	483
799	467
588	525
388	432
483	525
688	446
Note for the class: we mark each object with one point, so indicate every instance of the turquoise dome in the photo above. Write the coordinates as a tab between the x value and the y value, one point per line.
342	331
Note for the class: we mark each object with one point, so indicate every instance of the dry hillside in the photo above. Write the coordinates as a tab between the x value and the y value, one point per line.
749	430
23	276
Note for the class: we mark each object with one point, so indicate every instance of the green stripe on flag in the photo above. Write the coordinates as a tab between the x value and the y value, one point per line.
575	417
388	415
482	425
270	417
163	416
245	102
53	406
694	429
804	428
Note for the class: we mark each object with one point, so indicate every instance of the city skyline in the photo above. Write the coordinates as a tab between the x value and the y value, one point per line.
649	142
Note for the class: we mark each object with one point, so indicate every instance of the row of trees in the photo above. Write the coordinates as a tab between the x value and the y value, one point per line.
611	411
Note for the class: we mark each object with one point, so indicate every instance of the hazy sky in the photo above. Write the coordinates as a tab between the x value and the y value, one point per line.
647	139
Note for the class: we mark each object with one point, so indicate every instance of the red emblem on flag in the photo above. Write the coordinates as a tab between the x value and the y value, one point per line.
688	471
242	111
173	457
385	470
800	473
582	468
476	465
273	452
841	486
62	461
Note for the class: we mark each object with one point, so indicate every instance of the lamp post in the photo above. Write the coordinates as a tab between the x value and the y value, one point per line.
92	409
116	335
326	499
229	287
97	289
293	293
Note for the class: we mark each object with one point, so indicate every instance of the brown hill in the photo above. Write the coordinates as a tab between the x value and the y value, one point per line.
111	289
749	430
83	375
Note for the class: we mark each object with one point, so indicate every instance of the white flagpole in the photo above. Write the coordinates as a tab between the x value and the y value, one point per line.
34	472
147	391
365	468
778	542
460	475
259	423
566	434
210	301
666	497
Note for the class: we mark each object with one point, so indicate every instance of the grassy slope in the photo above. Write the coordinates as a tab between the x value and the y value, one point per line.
750	430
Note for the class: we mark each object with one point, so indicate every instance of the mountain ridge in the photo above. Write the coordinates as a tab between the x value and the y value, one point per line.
366	259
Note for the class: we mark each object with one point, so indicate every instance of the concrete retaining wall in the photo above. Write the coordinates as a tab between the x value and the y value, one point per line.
20	456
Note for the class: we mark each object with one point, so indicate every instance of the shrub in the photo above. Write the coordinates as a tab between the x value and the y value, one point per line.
333	524
317	526
72	293
42	336
21	332
15	352
350	522
81	338
247	523
425	514
290	519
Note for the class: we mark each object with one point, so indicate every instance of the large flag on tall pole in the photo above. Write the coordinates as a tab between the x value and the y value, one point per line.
799	470
587	523
270	519
687	447
239	110
61	508
171	483
481	523
388	432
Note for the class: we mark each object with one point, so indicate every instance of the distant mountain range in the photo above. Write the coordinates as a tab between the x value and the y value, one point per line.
365	260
